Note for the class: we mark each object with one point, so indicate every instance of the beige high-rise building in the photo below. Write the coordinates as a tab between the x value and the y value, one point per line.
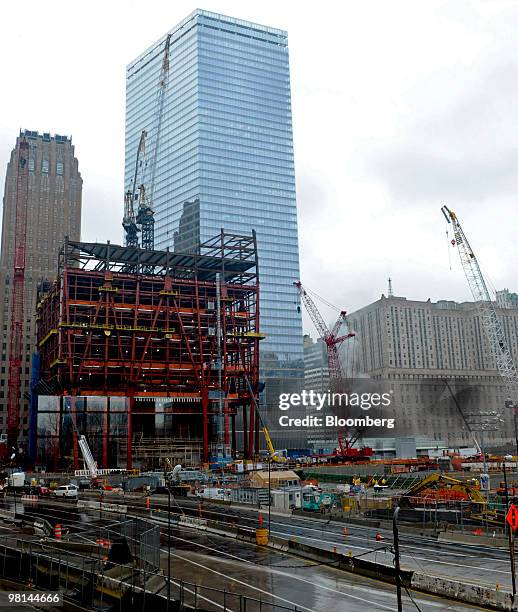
53	212
430	351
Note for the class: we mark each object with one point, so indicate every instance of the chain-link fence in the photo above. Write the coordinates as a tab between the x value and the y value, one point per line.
143	540
139	537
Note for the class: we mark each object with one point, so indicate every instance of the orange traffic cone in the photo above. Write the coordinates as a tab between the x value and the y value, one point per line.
379	537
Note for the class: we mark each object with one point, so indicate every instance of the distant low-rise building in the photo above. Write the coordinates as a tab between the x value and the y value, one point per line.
278	479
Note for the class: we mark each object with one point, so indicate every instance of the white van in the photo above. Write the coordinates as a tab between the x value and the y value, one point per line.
66	491
215	493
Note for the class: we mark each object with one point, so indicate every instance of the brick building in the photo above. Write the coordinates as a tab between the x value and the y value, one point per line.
53	212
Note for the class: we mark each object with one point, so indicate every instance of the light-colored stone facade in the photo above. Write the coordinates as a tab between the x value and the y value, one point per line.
419	346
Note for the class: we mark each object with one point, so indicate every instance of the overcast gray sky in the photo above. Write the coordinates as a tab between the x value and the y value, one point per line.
398	107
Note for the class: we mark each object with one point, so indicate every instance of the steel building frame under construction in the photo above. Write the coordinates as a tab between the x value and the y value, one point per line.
143	325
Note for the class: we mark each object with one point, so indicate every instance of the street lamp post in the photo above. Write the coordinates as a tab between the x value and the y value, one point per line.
270	456
395	532
510	535
269	491
168	548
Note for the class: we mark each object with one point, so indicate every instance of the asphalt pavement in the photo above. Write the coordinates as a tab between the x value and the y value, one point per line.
482	565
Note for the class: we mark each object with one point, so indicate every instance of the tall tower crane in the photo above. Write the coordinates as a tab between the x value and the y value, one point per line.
487	311
330	336
143	183
17	324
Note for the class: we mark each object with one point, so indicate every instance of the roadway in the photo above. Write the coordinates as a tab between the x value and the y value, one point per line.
223	569
285	580
480	565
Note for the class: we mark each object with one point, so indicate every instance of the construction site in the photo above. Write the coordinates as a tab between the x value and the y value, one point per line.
154	347
148	378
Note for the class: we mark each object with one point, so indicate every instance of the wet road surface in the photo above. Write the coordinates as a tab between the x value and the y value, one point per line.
266	575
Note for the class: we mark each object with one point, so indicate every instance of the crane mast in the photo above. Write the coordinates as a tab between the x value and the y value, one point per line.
145	213
329	336
129	221
17	326
489	318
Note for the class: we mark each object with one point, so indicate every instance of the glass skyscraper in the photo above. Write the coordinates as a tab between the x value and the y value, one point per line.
225	157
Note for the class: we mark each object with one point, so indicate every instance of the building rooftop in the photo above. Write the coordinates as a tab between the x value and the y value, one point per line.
397	300
44	136
233	256
275	476
219	21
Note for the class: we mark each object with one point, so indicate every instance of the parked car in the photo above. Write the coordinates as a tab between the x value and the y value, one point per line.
66	491
40	490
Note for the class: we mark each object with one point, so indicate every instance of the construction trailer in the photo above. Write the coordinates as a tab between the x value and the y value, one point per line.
130	341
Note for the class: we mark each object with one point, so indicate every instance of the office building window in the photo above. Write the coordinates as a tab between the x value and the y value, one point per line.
44	166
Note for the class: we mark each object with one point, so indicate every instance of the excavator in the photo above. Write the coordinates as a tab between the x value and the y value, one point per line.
443	489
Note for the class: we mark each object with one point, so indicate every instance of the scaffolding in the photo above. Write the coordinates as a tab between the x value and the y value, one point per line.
140	324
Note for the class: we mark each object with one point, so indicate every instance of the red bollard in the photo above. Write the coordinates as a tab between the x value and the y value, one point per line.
147	503
260	520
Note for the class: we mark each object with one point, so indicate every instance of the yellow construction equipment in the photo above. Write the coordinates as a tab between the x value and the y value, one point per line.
274	455
444	489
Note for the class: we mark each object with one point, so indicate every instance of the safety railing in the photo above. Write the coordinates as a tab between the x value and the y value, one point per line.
97	584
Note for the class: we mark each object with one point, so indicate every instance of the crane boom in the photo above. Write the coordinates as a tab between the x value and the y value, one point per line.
17	326
158	114
145	213
492	325
90	462
329	336
313	311
274	455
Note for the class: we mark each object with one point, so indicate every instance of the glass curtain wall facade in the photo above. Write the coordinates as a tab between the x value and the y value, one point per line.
225	157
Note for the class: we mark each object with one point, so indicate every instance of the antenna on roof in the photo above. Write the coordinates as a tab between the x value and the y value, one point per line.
390	292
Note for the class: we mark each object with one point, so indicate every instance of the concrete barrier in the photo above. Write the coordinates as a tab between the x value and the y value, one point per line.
83	504
475	540
29	498
190	521
460	591
7	514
